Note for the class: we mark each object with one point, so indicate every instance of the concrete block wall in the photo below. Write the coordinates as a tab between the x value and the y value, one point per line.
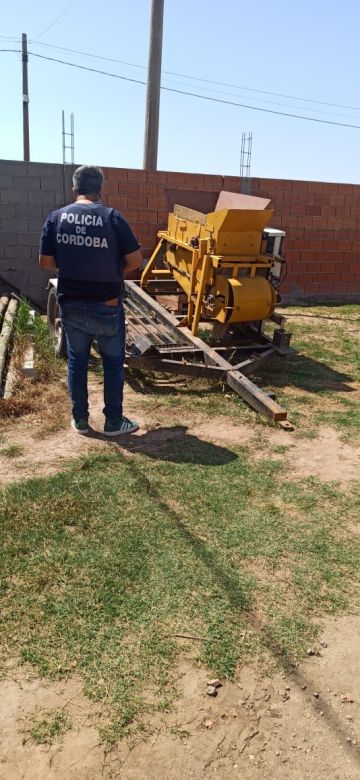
28	191
322	222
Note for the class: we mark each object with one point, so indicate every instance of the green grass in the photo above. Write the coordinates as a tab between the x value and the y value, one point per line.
106	562
12	451
44	726
315	385
34	330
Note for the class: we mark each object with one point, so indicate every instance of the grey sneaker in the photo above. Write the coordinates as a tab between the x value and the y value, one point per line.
80	426
118	427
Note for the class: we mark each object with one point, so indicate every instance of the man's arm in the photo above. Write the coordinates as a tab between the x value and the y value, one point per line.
47	262
133	261
47	246
128	245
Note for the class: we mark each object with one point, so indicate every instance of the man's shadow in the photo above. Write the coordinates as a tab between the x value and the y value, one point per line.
173	444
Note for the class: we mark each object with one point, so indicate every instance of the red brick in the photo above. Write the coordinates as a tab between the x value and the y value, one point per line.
313	211
314	186
132	215
110	187
297	208
347	276
213	182
351	200
158	203
176	178
137	175
120	174
130	188
151	215
123	188
163	216
151	190
119	202
232	183
337	199
137	202
157	177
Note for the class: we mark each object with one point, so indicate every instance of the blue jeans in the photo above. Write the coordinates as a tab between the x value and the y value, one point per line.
84	321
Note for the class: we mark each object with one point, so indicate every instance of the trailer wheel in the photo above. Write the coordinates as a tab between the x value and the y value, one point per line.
54	324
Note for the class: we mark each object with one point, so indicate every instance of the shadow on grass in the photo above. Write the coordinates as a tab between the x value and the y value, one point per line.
169	384
305	373
235	584
297	371
173	444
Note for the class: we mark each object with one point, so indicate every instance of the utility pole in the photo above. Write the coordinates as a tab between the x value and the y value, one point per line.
25	86
153	86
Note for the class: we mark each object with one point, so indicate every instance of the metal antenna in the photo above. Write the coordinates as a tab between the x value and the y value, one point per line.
70	146
245	162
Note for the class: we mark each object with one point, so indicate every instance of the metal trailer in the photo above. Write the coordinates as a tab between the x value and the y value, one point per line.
200	312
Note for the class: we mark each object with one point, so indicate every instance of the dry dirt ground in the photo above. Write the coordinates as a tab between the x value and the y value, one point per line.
257	729
325	456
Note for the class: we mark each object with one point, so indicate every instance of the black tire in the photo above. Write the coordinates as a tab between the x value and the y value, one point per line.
54	324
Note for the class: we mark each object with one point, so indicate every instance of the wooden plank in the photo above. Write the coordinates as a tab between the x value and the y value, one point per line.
183	212
237	200
243	386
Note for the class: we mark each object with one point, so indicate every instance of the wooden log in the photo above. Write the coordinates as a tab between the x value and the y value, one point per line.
5	335
4	300
11	380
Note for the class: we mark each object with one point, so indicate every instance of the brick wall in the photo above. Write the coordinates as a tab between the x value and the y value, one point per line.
322	221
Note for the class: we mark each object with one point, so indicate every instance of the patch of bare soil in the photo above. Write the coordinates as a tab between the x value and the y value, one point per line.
43	453
325	457
298	727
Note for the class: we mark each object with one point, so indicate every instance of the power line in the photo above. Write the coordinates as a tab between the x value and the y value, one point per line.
269	102
60	16
198	78
199	96
190	94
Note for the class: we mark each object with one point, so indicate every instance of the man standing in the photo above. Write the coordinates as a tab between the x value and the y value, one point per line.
94	249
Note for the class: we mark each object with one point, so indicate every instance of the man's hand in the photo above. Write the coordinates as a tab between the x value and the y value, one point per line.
133	261
47	263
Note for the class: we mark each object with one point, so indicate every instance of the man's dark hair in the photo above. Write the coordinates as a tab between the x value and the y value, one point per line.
88	180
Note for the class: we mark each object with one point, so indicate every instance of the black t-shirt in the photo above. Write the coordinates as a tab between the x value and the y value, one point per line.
88	242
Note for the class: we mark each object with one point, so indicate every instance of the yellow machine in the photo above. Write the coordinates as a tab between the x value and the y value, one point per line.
223	261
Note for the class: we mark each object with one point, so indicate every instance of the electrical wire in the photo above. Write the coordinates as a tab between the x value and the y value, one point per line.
189	94
60	16
193	78
197	78
197	95
268	102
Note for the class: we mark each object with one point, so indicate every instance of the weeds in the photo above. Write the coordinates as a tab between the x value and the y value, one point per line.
12	451
44	726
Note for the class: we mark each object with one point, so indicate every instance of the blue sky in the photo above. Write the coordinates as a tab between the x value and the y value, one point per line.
307	49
